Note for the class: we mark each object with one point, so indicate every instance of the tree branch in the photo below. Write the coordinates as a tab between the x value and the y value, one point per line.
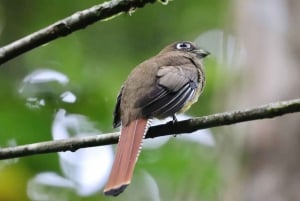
78	20
187	126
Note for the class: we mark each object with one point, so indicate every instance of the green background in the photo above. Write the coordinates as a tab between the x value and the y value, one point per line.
97	60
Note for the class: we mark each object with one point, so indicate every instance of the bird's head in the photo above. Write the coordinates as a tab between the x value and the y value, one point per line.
187	46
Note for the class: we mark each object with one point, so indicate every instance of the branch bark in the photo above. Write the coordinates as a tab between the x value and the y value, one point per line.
187	126
64	27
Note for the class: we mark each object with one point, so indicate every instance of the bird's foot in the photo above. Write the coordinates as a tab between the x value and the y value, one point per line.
174	121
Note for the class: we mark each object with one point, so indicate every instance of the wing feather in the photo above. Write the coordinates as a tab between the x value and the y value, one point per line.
174	86
117	111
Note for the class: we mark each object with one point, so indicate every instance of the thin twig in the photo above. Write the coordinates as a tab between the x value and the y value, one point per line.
64	27
187	126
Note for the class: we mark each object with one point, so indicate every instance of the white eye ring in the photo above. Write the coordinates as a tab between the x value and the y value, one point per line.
183	45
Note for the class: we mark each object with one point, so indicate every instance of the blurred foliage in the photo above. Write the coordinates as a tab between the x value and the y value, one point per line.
97	61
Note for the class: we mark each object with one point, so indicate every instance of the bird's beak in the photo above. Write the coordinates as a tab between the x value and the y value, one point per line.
201	53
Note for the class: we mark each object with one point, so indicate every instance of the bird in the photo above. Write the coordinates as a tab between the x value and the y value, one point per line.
162	86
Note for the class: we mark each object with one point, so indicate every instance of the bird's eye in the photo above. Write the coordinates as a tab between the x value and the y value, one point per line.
183	45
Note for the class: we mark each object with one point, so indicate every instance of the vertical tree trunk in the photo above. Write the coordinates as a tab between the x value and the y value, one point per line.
270	167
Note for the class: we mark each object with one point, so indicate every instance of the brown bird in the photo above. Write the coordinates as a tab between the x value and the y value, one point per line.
161	86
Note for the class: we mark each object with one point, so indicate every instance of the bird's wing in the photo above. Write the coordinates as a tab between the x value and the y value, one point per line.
174	86
117	111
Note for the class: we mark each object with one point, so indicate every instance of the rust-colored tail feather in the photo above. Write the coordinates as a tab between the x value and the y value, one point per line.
126	156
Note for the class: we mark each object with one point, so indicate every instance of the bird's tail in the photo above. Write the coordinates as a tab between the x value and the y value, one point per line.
130	143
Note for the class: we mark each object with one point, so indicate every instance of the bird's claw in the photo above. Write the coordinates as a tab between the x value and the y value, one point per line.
174	121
